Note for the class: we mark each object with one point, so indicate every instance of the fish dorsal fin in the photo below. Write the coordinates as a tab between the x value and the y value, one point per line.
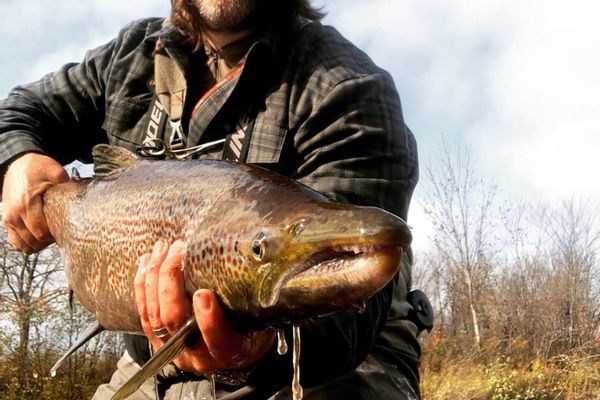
110	161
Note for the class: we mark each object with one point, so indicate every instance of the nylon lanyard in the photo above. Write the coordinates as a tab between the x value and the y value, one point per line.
155	143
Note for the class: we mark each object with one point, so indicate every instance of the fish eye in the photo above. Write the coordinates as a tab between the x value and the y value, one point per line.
259	246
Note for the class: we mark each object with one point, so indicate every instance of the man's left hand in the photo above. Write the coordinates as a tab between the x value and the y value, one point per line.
163	303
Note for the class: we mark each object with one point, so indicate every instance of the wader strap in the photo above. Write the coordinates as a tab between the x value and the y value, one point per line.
167	106
236	144
171	88
170	85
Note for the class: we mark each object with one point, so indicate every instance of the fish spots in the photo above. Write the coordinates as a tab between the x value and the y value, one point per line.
170	212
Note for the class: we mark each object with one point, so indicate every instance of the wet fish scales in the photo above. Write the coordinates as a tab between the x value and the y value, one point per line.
250	236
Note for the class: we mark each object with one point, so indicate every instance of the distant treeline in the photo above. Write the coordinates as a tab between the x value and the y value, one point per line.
515	286
37	326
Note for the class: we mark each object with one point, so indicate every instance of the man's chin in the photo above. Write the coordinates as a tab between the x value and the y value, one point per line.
226	15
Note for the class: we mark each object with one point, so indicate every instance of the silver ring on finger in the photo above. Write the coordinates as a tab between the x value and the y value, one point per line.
160	332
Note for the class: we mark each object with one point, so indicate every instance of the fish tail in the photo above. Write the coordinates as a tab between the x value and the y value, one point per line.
171	349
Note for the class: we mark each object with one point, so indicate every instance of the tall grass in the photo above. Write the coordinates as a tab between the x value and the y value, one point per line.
493	374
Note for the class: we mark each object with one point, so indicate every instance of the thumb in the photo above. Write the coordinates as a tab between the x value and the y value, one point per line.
222	341
227	346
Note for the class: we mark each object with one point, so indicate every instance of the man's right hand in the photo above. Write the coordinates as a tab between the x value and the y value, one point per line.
26	180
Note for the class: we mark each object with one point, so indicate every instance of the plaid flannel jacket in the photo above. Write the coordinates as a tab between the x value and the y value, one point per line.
325	115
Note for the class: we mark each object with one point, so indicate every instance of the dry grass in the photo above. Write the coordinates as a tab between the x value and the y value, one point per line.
481	376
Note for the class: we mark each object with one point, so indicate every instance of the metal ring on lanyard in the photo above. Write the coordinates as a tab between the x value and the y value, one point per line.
158	147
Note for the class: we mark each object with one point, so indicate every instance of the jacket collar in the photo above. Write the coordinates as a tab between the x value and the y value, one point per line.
271	48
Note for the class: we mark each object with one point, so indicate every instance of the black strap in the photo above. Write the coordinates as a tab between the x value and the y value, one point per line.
161	135
237	143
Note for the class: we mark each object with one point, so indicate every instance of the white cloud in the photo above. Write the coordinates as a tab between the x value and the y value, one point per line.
439	53
421	227
37	33
518	80
545	127
35	16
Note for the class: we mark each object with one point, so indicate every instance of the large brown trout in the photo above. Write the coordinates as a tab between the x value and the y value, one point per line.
273	250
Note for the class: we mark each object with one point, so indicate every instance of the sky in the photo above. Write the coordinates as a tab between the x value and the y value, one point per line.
517	81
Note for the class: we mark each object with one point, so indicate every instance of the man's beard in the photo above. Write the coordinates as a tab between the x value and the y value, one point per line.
225	15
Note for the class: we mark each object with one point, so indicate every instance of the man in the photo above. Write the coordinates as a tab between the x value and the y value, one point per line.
259	81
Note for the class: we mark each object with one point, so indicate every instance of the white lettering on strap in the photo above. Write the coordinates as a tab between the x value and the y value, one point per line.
236	142
155	117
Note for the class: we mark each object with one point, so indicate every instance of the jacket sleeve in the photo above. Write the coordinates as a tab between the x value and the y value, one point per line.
354	147
64	114
60	115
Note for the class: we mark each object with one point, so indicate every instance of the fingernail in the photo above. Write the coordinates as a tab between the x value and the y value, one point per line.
179	243
203	301
158	247
143	260
177	247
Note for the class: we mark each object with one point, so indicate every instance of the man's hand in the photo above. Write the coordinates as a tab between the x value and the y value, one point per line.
162	302
25	182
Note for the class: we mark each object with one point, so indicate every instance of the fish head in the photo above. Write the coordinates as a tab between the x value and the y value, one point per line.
328	258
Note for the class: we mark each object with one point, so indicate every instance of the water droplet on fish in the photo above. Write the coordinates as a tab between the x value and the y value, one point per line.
213	387
296	387
282	346
213	391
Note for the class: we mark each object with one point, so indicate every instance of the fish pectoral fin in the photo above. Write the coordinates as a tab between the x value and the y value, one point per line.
175	345
110	161
89	333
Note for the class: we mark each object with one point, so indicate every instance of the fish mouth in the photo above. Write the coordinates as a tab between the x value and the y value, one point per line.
334	260
336	278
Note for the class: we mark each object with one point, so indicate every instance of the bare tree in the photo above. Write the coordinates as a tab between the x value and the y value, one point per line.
429	274
459	203
29	285
37	326
549	285
572	237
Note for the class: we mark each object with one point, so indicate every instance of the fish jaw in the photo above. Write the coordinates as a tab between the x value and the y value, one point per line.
334	263
338	282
